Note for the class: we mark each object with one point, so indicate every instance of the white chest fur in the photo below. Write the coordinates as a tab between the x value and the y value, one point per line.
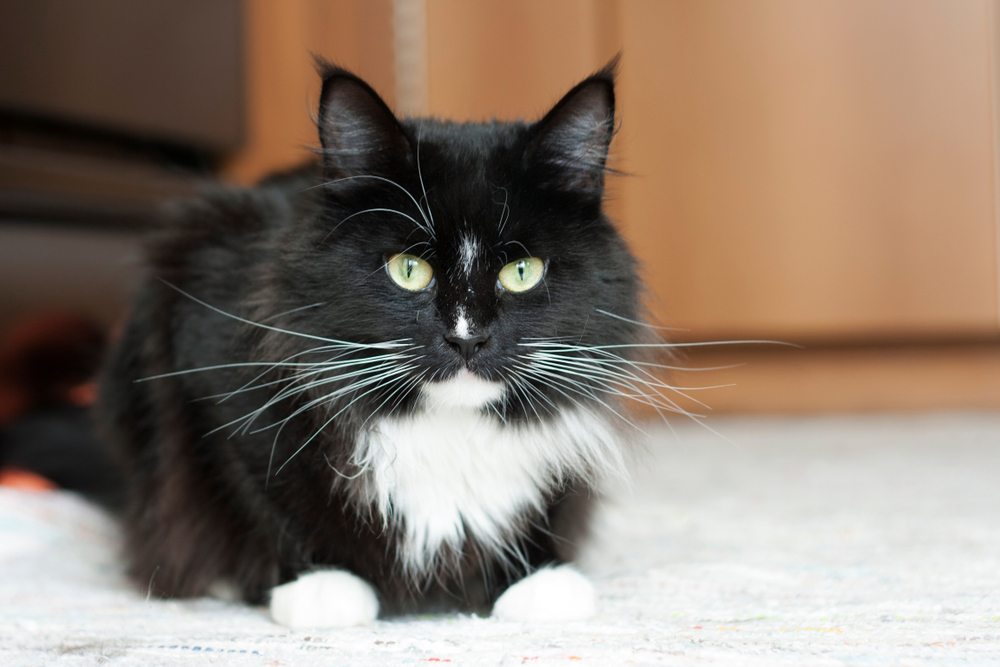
453	469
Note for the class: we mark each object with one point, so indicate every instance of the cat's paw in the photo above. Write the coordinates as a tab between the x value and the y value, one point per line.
550	594
324	599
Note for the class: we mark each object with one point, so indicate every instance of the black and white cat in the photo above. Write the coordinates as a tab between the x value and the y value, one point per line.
389	380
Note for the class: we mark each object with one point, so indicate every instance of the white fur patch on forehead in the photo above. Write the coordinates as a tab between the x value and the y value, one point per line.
468	251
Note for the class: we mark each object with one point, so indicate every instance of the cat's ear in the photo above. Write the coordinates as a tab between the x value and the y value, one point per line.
358	131
572	139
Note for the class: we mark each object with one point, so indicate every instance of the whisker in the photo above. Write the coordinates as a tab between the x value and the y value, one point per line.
523	247
655	401
638	322
505	213
556	382
670	345
612	369
240	364
401	389
294	310
525	384
337	393
373	210
291	391
427	227
223	397
329	363
420	178
315	403
365	346
323	427
347	477
588	368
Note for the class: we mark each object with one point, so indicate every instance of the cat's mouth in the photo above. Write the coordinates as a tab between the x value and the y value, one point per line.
465	389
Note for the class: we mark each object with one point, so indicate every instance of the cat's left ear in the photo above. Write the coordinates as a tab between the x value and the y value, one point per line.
359	133
573	138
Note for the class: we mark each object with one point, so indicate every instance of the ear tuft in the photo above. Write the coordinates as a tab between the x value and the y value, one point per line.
573	138
358	131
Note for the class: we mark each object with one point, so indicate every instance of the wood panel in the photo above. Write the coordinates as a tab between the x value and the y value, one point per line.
812	169
282	85
858	378
511	59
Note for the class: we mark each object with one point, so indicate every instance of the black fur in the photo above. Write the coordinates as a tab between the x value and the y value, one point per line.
305	252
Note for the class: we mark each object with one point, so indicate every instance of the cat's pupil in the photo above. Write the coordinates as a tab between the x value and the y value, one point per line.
520	269
409	268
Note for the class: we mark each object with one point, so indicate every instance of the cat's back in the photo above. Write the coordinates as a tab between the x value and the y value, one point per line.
233	218
208	257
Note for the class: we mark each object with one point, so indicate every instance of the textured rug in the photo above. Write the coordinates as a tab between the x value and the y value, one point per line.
817	541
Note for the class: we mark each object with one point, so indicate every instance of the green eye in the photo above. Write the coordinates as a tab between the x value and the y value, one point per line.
522	275
409	272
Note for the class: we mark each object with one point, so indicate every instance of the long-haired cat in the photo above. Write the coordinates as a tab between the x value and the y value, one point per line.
387	380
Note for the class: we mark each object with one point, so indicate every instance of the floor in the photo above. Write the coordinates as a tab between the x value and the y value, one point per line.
765	541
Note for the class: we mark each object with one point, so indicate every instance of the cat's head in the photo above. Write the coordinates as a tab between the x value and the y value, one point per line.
482	248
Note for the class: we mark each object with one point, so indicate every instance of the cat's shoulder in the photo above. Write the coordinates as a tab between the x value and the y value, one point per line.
230	215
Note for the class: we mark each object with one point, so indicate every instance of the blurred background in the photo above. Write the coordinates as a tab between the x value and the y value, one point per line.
823	173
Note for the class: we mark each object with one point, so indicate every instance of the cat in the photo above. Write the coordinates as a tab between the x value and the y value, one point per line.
387	381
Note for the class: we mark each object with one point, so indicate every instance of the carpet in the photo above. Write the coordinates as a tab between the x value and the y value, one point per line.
765	541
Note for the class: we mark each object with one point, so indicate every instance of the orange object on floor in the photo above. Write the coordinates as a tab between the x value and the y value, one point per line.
25	480
83	395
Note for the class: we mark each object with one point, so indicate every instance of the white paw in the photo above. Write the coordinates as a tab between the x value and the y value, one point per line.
324	599
551	594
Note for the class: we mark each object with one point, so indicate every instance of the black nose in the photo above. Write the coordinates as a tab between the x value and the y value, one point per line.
467	346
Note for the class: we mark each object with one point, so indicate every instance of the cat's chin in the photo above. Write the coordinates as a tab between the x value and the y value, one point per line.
464	390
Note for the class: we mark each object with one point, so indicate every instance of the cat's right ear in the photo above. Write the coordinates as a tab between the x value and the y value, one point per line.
572	140
359	133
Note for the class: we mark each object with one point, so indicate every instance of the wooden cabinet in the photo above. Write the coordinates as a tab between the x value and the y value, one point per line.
813	170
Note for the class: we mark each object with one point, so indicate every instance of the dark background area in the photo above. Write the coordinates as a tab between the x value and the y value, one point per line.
107	107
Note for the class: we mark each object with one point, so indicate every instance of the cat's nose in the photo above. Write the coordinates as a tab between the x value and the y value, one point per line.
466	345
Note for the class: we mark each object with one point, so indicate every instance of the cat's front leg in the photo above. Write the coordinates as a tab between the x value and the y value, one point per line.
558	593
324	599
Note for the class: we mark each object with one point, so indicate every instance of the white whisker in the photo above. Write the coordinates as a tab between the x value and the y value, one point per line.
374	210
294	310
637	322
420	177
557	382
321	366
359	473
505	213
329	397
363	346
669	345
332	418
323	399
428	225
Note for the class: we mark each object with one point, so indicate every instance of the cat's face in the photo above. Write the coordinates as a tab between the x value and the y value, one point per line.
481	248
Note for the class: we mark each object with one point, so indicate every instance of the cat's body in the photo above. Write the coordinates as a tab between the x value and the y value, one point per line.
288	404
